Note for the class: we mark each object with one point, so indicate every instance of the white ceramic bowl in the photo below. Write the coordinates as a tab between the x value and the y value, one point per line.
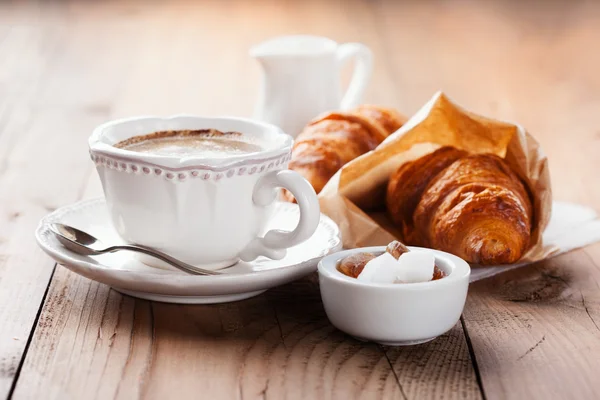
394	314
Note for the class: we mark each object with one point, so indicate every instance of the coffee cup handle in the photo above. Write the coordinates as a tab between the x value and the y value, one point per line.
275	242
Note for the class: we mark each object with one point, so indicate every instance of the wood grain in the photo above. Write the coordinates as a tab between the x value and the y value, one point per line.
42	163
439	369
277	345
534	332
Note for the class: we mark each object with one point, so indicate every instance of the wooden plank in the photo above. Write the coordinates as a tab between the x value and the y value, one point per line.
533	331
439	369
91	341
507	103
333	365
536	331
34	178
275	345
34	182
43	155
532	334
272	345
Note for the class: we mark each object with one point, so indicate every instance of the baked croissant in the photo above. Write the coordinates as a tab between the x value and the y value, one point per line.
473	206
332	140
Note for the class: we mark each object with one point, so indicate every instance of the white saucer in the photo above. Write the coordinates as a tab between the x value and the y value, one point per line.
126	274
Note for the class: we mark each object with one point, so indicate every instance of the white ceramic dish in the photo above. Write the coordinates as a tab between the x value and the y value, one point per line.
394	314
125	273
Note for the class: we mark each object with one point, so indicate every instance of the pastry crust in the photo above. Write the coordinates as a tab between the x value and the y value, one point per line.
333	139
388	118
407	184
473	206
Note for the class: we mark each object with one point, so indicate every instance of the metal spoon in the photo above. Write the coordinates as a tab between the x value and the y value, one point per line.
83	243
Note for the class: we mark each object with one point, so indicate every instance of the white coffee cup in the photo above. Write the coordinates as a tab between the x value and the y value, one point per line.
209	212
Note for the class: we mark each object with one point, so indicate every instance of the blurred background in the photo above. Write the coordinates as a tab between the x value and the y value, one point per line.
69	65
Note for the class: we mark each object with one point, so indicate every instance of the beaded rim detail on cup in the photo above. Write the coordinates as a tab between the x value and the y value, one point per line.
203	172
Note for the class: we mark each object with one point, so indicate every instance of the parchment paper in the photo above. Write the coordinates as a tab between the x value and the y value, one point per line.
438	123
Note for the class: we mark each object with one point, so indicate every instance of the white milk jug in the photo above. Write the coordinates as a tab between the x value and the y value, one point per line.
301	79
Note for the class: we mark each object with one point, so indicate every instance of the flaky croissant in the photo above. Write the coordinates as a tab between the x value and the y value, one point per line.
332	140
473	206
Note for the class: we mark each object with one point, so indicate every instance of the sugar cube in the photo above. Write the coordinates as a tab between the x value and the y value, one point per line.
381	269
415	266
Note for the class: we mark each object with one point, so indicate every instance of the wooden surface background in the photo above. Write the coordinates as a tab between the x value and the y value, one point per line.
67	66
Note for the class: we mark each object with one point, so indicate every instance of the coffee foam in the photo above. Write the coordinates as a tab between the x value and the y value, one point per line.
205	142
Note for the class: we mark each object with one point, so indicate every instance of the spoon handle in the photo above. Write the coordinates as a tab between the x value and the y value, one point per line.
164	257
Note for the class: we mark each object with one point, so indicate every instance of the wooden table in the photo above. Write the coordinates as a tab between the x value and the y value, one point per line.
67	66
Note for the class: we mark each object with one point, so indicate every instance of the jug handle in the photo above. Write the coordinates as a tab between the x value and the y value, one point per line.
362	72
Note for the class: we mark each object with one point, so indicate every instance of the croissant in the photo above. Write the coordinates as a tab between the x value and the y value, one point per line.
332	140
471	205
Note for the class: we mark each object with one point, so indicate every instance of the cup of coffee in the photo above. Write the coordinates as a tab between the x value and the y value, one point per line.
200	189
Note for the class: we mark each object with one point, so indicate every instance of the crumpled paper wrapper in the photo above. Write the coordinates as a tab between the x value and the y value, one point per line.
438	123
